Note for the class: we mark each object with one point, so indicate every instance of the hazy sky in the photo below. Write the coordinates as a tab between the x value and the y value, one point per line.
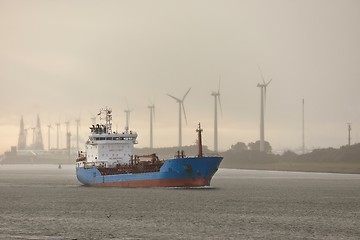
66	59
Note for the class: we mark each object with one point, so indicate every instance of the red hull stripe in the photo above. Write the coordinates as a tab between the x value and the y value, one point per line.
183	182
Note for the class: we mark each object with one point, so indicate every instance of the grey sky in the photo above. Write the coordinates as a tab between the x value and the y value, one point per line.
66	59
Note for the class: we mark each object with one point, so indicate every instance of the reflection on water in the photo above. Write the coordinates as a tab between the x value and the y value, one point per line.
44	202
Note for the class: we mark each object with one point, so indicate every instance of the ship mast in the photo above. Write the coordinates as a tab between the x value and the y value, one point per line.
108	117
199	130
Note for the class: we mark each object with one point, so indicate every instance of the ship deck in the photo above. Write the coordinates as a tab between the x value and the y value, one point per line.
140	167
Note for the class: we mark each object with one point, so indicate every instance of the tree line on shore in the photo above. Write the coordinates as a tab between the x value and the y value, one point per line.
345	159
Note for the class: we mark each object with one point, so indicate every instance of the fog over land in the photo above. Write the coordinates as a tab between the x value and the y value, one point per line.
64	60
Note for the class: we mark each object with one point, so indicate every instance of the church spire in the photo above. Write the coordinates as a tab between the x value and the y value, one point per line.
22	136
38	145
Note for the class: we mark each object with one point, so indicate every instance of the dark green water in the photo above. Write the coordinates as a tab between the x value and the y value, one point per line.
44	202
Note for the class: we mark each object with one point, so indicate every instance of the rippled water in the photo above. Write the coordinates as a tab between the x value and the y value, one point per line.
44	202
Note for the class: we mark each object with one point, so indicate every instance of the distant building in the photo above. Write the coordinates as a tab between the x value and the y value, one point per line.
22	136
37	143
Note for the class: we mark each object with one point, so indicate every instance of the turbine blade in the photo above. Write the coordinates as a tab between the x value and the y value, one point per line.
220	105
265	91
182	104
262	76
186	94
178	100
152	106
218	94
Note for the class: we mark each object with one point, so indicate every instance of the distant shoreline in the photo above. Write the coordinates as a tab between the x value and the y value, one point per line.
344	160
337	171
259	167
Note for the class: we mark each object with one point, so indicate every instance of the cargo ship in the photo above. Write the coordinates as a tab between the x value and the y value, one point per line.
108	160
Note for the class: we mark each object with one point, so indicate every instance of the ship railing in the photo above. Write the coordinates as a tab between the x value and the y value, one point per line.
89	165
136	159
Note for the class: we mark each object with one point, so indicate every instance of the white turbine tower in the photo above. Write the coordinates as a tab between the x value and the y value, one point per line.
216	96
262	103
49	127
57	135
152	115
303	126
181	105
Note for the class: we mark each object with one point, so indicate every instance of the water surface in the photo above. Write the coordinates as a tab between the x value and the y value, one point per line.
44	202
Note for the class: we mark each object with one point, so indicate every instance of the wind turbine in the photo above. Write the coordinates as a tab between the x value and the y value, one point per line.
262	103
303	126
152	114
57	135
349	133
216	96
181	105
49	127
68	135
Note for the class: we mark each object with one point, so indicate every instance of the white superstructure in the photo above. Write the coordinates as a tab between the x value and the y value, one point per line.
107	147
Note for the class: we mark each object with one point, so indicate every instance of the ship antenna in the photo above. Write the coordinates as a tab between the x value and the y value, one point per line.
199	130
108	117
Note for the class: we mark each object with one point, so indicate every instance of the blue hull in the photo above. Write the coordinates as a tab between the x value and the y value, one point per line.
177	172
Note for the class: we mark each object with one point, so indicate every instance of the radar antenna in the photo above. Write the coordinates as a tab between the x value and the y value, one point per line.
108	117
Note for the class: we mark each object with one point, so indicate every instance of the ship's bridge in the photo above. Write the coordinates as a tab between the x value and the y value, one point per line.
113	138
102	132
111	148
106	146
